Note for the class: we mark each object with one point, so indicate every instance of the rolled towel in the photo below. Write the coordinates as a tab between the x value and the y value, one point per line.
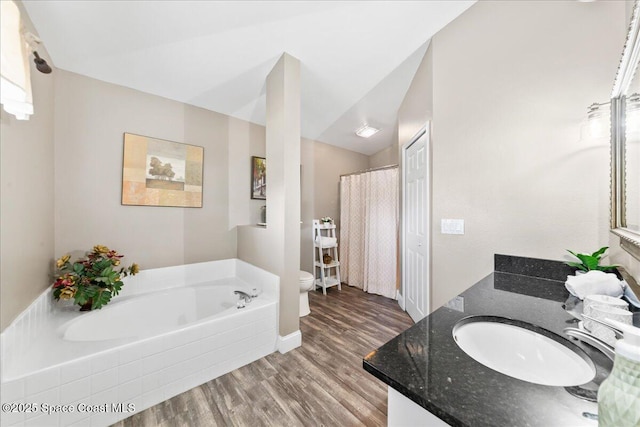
325	241
595	282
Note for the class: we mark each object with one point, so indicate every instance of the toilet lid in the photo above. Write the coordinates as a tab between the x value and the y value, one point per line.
305	277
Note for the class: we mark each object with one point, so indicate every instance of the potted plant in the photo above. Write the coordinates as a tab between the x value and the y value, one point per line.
590	262
91	281
326	220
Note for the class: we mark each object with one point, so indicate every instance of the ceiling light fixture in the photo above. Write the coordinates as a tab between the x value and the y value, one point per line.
366	131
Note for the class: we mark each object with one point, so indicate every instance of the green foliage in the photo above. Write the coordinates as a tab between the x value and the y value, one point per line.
95	279
102	297
590	262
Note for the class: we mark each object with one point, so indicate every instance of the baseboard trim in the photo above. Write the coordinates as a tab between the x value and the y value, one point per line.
289	342
400	299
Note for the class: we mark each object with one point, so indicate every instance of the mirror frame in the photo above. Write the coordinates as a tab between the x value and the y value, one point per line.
629	239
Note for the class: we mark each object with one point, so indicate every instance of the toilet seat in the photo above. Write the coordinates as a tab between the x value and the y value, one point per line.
306	280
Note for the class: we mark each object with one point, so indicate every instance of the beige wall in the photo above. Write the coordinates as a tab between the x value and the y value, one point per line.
510	85
26	197
329	163
247	139
385	157
322	165
90	119
417	107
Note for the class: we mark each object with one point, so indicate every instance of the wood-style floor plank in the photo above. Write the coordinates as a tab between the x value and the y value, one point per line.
321	383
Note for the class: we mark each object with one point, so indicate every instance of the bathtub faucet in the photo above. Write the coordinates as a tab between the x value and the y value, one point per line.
245	298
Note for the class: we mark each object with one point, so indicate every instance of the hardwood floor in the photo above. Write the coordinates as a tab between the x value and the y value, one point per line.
321	383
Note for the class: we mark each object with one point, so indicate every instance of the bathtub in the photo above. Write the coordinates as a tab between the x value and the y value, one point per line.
142	317
171	329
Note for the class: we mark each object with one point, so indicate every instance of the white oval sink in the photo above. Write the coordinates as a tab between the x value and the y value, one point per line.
520	350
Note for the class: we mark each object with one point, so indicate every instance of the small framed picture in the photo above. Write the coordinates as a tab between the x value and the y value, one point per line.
258	178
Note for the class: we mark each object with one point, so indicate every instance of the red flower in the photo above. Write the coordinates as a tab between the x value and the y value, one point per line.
64	281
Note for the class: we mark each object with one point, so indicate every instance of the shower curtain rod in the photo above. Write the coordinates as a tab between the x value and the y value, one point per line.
370	170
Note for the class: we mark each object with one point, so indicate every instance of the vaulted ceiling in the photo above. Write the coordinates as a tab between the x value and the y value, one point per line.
357	57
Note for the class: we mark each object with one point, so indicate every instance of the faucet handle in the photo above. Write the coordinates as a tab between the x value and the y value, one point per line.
254	292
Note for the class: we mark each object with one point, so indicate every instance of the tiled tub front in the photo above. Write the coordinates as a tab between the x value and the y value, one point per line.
101	388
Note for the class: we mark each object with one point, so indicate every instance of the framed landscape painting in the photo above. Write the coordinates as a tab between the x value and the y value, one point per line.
258	178
156	172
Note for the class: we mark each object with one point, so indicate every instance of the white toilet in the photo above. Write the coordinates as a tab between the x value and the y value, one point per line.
306	284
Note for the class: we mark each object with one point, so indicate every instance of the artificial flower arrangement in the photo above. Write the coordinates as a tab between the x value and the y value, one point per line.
91	281
326	220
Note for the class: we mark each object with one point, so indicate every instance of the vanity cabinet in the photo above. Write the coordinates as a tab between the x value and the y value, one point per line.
433	380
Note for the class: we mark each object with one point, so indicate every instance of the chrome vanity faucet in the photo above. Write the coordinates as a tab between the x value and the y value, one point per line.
586	337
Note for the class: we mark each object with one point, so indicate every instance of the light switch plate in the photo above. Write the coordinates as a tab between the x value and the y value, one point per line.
452	226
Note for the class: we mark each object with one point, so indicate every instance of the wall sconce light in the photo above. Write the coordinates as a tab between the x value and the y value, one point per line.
633	114
598	119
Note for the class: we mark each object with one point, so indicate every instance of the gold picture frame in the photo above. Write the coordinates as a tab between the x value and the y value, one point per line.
258	178
157	172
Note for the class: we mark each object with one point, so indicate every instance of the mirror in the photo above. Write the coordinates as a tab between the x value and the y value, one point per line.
632	156
625	142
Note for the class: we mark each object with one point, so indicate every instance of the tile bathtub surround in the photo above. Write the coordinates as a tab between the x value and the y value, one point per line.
24	329
146	372
146	381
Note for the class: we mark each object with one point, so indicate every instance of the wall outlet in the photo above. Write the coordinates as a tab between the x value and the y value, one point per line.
452	226
456	303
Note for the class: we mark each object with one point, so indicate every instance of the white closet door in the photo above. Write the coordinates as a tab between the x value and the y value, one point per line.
416	227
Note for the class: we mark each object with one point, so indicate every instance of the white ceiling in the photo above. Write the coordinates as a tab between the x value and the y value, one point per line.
357	57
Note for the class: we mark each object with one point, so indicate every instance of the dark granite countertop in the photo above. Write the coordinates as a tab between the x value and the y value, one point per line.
426	365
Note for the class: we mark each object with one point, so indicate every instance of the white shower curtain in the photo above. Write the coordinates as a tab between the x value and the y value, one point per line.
369	231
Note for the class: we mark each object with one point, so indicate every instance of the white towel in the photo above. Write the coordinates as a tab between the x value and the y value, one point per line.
595	282
325	241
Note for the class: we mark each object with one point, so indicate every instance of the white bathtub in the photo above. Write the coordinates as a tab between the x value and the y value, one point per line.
140	317
170	330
